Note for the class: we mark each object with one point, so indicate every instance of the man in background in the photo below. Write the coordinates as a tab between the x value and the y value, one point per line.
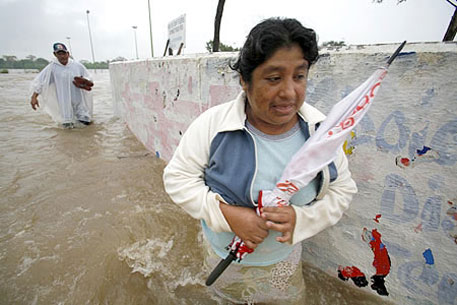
64	86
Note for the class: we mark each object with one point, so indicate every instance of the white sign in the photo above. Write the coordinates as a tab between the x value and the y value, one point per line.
177	32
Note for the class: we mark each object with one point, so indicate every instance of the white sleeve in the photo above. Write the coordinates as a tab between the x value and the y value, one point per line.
40	80
184	176
327	211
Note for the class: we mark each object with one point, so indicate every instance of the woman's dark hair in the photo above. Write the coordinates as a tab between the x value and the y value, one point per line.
270	35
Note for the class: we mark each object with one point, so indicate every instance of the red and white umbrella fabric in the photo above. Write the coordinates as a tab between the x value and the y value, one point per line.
317	152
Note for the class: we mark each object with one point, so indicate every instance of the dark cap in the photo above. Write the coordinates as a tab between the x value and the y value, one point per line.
60	47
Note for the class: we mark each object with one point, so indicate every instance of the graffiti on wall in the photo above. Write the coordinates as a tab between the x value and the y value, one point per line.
412	192
400	204
165	117
381	263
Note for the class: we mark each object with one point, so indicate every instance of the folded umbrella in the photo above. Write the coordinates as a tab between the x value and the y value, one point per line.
317	152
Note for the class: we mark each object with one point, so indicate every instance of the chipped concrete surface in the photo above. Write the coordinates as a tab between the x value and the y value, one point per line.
403	155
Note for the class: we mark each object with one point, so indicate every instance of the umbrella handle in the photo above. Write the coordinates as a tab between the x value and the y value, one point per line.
223	264
397	51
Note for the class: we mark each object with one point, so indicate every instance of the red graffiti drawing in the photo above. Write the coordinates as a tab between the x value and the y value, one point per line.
354	274
377	218
421	155
381	262
381	258
418	228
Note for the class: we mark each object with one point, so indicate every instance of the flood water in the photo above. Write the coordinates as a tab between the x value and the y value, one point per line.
84	218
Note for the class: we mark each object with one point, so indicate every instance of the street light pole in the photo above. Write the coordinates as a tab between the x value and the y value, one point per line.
134	27
69	44
90	37
150	27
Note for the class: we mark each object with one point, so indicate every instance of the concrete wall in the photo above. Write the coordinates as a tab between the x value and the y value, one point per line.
402	225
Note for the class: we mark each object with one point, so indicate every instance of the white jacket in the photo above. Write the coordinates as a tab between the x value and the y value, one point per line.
189	182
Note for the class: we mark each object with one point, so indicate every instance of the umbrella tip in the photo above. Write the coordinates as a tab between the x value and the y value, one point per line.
397	51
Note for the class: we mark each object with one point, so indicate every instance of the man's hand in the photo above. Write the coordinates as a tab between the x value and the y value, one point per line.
245	223
281	219
83	83
34	102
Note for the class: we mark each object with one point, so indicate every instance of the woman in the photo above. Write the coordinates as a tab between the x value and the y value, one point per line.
234	150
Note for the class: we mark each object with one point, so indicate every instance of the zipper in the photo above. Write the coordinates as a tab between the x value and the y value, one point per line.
255	167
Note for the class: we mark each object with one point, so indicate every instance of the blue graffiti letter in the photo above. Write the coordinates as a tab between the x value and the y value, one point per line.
447	289
431	214
444	142
410	209
403	132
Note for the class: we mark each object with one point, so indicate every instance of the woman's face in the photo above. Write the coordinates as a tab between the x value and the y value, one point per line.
277	91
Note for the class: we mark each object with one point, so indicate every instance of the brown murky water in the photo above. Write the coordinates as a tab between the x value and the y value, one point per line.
84	218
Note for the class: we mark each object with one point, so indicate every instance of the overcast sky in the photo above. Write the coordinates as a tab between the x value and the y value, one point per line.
30	27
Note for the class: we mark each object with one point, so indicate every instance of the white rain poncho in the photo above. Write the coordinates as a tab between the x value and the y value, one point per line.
59	97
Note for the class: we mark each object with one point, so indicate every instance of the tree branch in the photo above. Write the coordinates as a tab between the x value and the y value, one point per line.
217	25
454	5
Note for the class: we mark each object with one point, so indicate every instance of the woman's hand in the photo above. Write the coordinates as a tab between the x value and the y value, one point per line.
245	223
281	219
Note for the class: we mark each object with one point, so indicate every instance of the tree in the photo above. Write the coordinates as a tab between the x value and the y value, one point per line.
95	65
222	47
119	58
42	61
336	44
10	57
451	29
11	62
217	25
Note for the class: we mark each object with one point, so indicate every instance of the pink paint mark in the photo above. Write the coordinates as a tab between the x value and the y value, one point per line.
189	85
418	228
219	94
162	128
159	121
377	218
